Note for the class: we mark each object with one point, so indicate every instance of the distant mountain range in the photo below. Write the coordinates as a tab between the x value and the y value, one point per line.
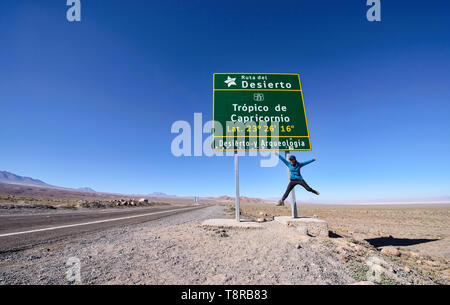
86	189
10	178
436	199
242	199
7	177
160	194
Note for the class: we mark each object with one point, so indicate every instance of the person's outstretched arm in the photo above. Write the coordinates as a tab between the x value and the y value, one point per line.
282	159
307	162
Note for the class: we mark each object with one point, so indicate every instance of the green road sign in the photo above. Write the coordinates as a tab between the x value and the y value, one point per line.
259	111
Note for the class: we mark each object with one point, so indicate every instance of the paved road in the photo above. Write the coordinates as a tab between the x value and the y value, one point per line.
23	231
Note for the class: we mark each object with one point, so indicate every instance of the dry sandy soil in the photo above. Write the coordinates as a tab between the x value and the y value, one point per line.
421	233
179	250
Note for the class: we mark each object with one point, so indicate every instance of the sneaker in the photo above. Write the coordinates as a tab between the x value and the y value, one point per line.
280	203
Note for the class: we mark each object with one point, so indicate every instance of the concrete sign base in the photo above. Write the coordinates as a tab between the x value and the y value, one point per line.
310	226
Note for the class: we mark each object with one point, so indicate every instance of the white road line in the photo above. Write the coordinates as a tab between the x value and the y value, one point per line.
91	222
82	212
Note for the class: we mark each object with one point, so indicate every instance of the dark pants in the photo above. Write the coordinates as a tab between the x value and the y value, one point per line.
293	183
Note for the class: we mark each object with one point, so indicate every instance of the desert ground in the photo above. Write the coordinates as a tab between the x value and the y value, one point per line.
407	244
179	250
420	232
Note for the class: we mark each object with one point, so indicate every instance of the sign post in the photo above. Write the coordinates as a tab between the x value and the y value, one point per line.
236	176
259	111
293	200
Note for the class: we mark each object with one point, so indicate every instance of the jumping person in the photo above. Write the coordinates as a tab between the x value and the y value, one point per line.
296	177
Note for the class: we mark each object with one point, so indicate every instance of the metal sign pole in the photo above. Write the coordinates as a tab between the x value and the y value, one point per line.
293	200
236	175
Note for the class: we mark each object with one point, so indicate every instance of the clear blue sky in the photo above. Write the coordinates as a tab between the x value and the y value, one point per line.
92	103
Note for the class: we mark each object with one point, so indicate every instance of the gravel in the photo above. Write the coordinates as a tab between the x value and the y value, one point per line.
177	250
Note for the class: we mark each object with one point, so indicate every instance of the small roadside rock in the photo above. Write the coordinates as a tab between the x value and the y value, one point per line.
390	251
432	263
414	254
221	232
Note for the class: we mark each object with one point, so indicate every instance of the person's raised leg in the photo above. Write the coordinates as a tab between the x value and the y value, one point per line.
308	188
286	194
